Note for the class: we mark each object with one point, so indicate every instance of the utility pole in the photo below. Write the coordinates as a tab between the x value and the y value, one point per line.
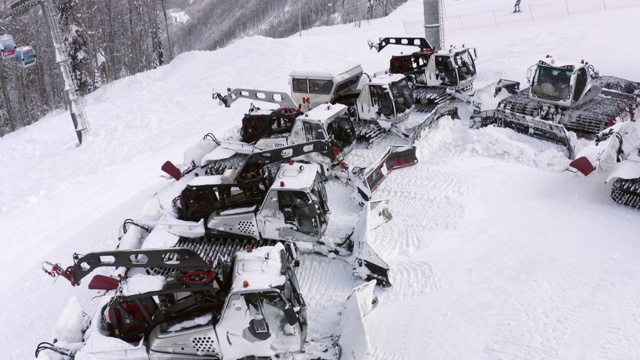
299	19
434	23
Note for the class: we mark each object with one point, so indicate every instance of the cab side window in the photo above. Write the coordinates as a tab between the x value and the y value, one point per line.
293	205
300	86
581	83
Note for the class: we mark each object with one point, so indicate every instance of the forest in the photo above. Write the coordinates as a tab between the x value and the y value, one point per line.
105	40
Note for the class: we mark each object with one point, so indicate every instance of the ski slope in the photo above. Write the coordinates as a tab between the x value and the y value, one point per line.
495	251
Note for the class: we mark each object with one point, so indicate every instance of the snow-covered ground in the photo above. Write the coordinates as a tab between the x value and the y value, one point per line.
495	251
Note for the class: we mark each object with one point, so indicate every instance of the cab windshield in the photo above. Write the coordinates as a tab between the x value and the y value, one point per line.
381	98
466	65
402	96
342	132
551	83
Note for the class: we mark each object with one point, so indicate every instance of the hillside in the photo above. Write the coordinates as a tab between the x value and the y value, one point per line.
495	251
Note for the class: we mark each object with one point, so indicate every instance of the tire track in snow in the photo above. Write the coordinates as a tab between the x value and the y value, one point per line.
399	238
379	354
436	194
541	316
410	280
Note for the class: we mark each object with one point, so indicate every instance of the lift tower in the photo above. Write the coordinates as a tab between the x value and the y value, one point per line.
15	9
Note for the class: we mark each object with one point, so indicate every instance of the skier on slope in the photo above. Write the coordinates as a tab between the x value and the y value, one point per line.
516	7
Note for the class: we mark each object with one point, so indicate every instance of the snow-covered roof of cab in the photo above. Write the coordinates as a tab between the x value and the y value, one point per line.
555	63
296	176
452	50
337	71
261	269
385	79
325	113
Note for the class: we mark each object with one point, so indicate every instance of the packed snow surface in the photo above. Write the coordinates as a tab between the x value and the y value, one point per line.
495	251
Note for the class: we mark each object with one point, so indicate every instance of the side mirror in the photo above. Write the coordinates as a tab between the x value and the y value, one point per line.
291	316
530	73
474	53
312	208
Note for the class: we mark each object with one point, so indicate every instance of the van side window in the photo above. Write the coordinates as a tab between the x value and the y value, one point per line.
323	87
300	86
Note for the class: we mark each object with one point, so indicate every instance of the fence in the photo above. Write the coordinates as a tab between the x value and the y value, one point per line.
529	13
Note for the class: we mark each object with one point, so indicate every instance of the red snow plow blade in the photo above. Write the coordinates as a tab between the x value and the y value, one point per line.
397	157
172	170
583	165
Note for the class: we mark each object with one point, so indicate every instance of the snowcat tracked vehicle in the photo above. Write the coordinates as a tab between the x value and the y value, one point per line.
268	200
437	74
616	151
560	98
175	304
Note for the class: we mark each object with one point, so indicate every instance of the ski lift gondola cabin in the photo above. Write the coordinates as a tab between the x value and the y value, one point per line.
26	56
7	46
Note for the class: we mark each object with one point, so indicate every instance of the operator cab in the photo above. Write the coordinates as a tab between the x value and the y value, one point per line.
565	86
7	46
296	207
464	61
326	122
333	84
265	307
304	207
386	96
455	68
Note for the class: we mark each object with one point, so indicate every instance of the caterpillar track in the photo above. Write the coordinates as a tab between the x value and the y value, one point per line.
428	99
368	132
586	120
618	84
626	192
213	249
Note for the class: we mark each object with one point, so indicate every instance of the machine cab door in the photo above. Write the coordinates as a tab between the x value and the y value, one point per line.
446	70
313	131
465	65
581	84
299	211
381	100
342	132
296	310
